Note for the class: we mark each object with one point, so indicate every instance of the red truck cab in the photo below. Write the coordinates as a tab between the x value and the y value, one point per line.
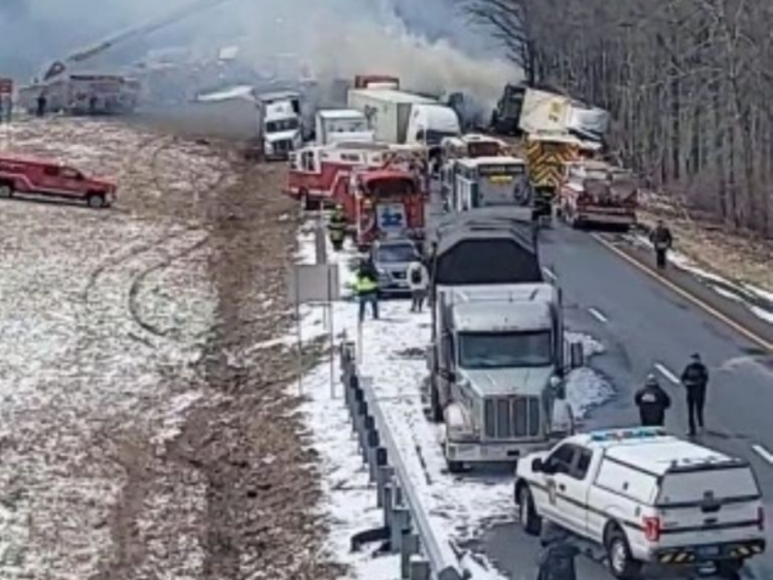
383	204
20	175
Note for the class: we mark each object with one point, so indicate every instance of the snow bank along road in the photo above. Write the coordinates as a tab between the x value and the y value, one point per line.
143	434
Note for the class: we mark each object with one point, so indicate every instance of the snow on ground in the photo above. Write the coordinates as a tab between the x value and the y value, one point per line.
738	292
393	356
101	316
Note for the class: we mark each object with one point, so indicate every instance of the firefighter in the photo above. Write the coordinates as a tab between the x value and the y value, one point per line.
695	378
662	240
652	401
366	289
337	228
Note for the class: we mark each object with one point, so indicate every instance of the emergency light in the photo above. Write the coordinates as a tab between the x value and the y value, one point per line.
628	434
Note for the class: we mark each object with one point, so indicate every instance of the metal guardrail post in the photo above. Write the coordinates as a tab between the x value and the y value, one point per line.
373	442
418	569
410	549
384	475
388	491
400	524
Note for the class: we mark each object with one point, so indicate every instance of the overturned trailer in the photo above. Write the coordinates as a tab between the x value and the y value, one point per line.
498	353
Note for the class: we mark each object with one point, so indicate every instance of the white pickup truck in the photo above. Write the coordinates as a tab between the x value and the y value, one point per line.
647	498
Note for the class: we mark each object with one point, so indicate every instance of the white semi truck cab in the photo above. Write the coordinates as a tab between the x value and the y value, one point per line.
499	356
280	123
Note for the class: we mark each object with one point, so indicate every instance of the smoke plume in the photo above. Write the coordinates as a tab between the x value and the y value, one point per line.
424	42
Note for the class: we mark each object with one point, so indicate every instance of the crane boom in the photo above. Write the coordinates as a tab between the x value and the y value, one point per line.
59	67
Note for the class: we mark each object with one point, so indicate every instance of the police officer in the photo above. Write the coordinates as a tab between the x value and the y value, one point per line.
337	228
652	401
695	378
662	240
366	289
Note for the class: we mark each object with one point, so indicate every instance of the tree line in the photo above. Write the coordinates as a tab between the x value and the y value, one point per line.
689	84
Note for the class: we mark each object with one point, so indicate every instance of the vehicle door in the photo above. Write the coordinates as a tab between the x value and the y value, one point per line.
49	179
554	472
72	182
572	490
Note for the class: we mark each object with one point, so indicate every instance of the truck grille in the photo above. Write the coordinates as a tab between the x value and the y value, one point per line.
512	417
283	146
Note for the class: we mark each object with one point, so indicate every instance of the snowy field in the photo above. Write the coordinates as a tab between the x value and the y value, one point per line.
462	506
102	315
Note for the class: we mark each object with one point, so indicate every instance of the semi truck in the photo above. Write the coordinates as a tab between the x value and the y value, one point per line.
280	122
404	118
498	354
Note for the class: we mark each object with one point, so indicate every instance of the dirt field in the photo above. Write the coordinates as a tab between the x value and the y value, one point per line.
144	430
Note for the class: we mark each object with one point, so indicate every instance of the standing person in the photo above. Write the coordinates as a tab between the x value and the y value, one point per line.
42	104
695	378
366	289
652	401
662	240
337	228
418	282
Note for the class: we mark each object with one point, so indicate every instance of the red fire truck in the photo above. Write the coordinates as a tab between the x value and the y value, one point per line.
595	192
316	171
383	204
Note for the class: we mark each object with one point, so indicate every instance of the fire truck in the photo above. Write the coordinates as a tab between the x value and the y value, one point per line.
316	171
383	204
595	192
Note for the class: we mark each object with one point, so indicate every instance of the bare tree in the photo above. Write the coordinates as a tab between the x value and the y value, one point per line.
688	82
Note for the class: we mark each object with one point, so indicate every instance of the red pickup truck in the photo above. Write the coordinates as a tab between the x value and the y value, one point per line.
52	179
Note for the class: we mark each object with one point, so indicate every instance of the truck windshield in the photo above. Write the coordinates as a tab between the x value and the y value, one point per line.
281	125
396	254
497	350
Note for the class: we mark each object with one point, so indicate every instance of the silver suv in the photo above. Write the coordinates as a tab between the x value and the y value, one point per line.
391	259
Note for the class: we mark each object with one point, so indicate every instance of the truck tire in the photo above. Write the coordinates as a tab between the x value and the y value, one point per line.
455	466
621	562
6	191
527	514
96	200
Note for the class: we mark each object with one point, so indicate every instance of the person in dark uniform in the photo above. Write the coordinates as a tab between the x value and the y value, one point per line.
337	228
662	240
695	378
653	402
42	104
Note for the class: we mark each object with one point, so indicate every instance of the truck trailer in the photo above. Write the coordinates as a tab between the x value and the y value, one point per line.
498	355
404	118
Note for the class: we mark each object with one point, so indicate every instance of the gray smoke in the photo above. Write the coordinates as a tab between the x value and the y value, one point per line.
424	42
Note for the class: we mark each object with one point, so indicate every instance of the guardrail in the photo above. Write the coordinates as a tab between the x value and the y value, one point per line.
407	530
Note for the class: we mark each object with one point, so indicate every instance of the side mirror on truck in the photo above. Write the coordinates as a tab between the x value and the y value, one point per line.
537	465
576	355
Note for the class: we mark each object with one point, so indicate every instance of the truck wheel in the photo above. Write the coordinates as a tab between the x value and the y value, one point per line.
729	569
455	466
6	191
96	200
527	515
621	562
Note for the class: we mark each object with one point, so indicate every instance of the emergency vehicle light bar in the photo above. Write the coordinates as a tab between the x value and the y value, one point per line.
628	434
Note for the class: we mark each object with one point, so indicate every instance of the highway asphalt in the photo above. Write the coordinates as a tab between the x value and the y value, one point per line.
648	326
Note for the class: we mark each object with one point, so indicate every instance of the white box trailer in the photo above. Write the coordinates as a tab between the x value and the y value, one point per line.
388	111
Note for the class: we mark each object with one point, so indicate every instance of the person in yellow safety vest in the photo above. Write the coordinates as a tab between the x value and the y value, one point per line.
366	289
337	228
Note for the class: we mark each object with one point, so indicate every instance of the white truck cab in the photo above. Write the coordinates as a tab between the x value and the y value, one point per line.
647	498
